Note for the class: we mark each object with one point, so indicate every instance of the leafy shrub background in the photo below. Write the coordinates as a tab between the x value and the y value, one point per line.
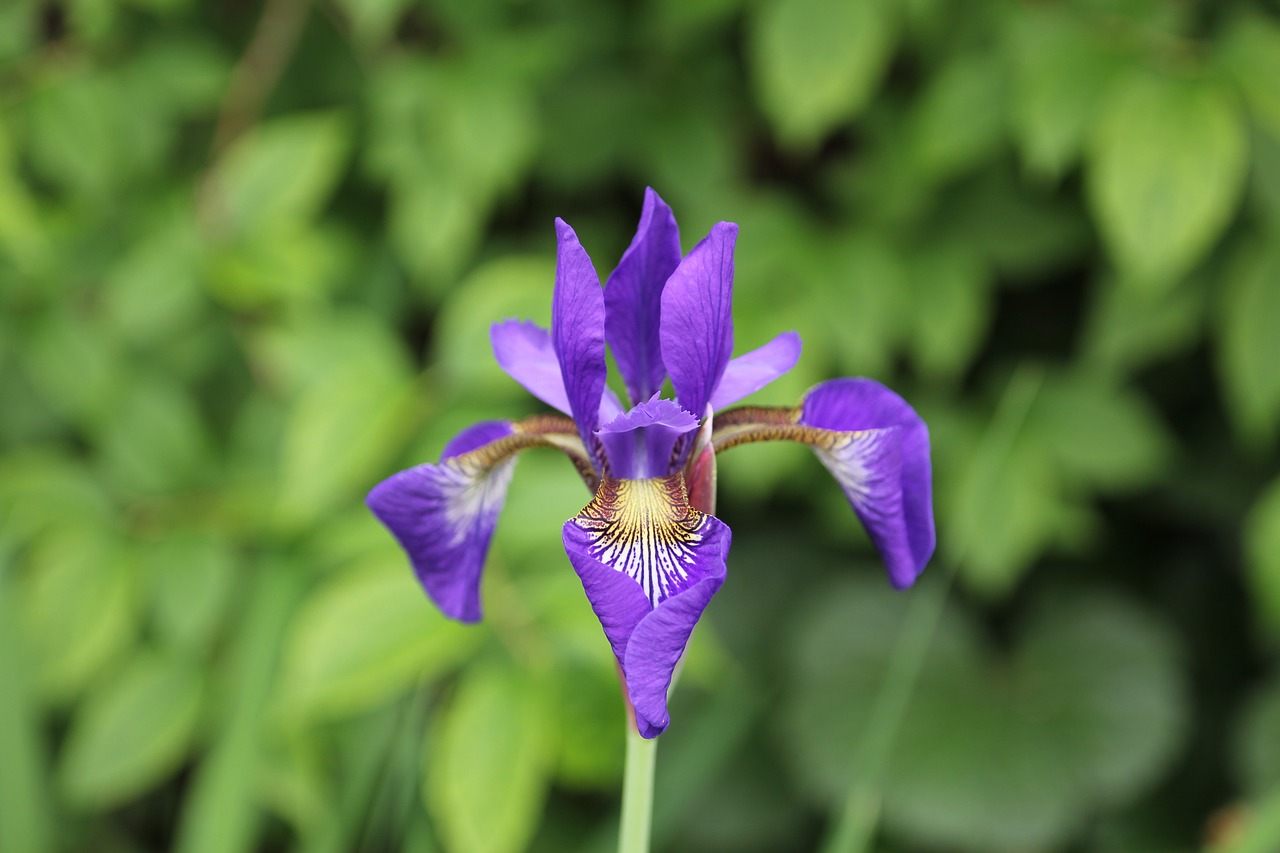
248	257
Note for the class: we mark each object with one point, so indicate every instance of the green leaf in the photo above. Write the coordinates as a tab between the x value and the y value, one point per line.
959	120
364	636
1023	236
516	286
1257	737
337	440
155	440
1105	437
1104	677
1166	171
589	707
1130	327
26	808
74	364
40	491
22	233
131	732
79	137
18	29
449	139
220	813
1255	829
154	291
1249	345
282	170
78	607
1250	52
355	405
995	752
374	20
436	225
1000	517
192	580
817	64
486	768
1061	74
284	262
185	73
1264	180
865	304
1262	555
950	310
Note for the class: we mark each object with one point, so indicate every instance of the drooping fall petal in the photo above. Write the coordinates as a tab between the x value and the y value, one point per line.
444	514
876	447
884	469
649	564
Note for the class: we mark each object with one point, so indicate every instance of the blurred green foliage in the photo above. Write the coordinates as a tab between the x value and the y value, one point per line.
248	257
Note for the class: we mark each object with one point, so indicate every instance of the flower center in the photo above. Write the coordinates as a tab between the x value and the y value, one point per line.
639	444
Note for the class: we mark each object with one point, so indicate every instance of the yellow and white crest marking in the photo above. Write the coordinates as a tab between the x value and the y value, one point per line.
646	529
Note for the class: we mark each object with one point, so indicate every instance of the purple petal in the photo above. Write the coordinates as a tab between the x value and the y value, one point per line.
444	516
639	443
750	372
577	331
610	406
618	601
633	298
883	467
649	564
697	321
656	647
525	352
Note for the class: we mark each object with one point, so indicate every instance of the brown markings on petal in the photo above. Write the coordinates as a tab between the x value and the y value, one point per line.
756	415
645	529
554	431
546	424
820	439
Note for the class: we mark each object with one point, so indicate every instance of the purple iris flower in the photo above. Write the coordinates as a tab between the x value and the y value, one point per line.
648	548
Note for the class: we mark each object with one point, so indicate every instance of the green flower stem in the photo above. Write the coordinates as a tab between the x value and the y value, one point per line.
637	792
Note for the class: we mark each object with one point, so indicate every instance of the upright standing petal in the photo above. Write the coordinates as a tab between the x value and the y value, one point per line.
577	332
750	372
697	323
633	299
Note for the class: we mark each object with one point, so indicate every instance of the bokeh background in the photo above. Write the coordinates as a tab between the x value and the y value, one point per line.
249	255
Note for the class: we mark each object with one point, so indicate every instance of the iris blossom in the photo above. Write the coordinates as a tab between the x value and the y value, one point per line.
648	549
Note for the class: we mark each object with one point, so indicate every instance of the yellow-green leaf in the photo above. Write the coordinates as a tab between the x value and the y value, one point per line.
1166	172
132	731
816	63
486	767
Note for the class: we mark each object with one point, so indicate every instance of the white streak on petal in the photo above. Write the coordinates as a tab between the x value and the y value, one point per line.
646	530
862	463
